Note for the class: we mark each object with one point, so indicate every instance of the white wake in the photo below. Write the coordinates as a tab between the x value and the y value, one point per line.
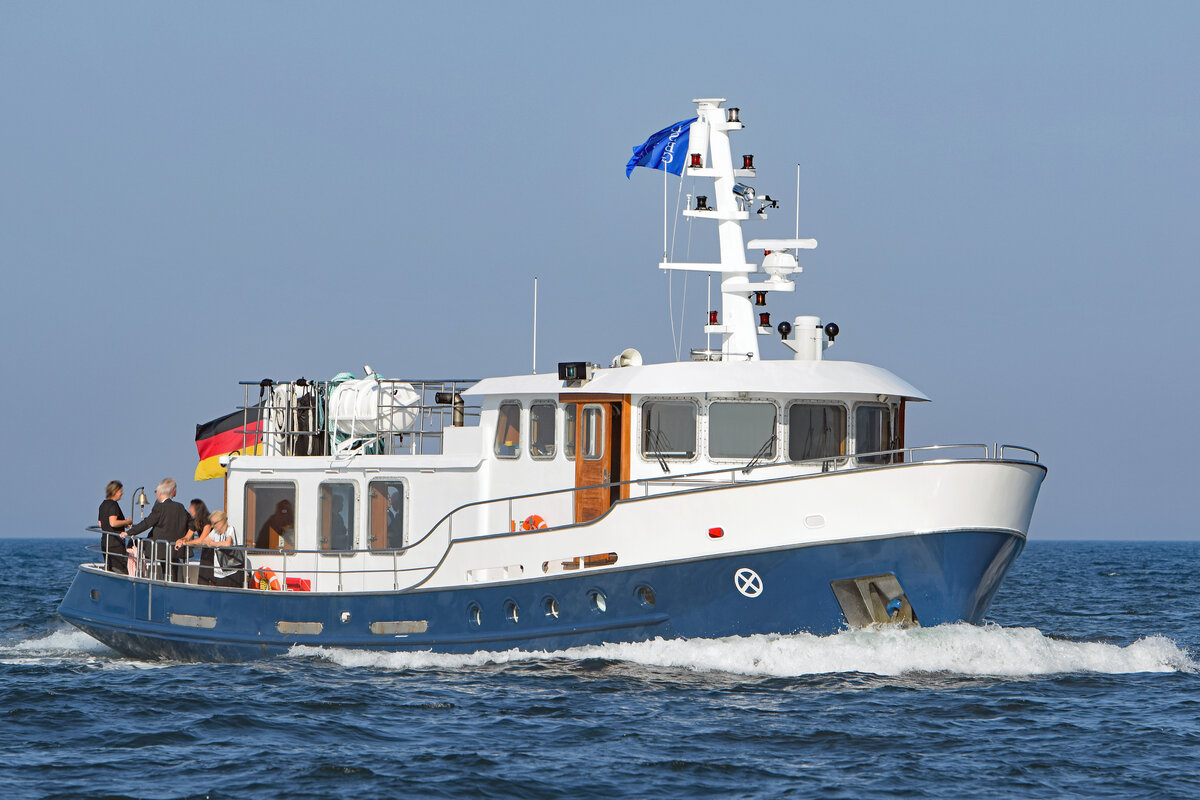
954	649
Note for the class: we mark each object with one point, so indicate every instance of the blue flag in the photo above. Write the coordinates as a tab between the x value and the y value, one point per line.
666	149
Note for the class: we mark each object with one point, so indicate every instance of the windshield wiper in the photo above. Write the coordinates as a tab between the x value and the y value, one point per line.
760	455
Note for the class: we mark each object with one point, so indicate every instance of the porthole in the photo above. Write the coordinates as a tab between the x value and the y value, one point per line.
645	595
511	612
475	615
598	601
550	607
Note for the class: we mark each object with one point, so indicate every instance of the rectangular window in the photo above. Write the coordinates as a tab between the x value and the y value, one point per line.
508	430
669	429
335	516
570	412
541	430
270	510
592	432
872	433
816	431
387	515
741	430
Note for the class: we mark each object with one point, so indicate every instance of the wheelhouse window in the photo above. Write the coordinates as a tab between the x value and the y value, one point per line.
508	430
741	430
541	430
270	514
592	432
570	414
873	432
816	431
335	516
669	429
387	514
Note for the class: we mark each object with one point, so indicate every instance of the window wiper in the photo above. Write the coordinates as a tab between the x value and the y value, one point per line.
659	441
760	455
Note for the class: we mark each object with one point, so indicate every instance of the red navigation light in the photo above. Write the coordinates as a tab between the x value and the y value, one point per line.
764	319
760	298
747	162
716	533
696	160
712	318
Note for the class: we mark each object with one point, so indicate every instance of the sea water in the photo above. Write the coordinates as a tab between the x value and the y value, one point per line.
1084	683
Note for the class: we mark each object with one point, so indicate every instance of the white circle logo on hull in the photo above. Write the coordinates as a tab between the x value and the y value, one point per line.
748	582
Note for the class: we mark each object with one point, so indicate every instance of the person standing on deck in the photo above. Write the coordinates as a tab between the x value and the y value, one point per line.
169	521
114	523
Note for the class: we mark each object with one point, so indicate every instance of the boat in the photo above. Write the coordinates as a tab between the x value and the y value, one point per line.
723	494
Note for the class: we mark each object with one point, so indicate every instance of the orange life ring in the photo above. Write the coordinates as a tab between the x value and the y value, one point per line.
533	523
264	578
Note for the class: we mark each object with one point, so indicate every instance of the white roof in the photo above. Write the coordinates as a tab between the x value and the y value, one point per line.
699	377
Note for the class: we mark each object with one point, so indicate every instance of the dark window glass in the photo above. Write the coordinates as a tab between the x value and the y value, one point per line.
508	430
669	429
335	516
541	430
816	431
387	515
873	432
741	430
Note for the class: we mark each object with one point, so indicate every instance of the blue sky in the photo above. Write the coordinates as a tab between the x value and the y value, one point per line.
194	194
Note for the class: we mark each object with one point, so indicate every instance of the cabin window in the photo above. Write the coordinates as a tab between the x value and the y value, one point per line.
741	430
508	430
816	431
335	516
873	432
592	432
570	413
669	429
270	511
387	514
541	430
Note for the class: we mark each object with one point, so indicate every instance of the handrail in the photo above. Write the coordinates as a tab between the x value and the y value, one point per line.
735	474
989	453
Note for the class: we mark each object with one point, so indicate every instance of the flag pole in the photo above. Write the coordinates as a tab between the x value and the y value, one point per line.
797	201
664	172
535	324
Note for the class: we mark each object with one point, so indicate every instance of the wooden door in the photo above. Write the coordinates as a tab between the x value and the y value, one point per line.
601	452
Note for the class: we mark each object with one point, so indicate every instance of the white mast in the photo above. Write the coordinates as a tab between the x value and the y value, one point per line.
732	202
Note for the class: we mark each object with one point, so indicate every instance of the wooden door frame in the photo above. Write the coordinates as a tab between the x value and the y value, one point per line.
618	432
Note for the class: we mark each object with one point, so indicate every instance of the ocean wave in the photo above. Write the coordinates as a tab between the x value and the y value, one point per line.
954	649
68	640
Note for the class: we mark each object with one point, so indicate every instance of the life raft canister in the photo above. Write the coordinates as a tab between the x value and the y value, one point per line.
533	523
265	578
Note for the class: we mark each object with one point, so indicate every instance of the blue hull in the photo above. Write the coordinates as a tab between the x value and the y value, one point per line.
948	577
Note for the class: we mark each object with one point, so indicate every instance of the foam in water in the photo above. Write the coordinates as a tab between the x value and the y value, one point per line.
957	649
69	640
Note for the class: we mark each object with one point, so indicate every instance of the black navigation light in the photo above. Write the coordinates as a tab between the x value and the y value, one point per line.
731	114
784	328
574	371
702	203
760	298
832	330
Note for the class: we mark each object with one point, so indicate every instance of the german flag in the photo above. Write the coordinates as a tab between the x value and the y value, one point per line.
239	432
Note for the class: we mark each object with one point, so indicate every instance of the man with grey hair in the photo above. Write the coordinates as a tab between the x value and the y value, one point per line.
169	521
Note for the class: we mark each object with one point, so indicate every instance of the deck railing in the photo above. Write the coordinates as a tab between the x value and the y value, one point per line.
307	563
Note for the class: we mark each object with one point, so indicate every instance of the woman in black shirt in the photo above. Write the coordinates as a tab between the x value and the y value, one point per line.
113	523
199	525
